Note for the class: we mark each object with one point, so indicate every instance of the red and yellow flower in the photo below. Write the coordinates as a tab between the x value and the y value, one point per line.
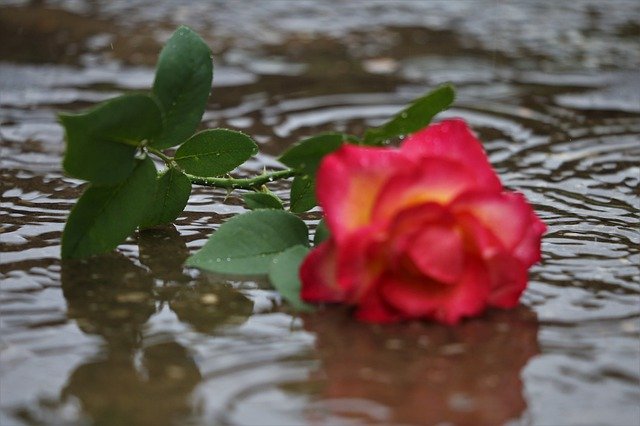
423	231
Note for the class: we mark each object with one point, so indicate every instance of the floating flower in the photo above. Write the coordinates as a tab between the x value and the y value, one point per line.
424	231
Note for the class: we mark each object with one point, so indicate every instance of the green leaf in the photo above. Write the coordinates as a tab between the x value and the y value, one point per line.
303	195
262	200
247	244
105	215
171	197
307	154
413	118
102	142
322	233
283	274
215	152
182	85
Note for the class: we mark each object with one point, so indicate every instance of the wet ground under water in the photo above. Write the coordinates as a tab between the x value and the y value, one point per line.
553	90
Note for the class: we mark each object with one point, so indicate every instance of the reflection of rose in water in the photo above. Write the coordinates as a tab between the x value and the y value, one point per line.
424	373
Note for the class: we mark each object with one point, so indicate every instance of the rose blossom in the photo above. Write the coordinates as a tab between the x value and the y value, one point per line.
424	231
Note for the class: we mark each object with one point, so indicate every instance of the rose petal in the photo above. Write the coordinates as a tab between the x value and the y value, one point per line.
360	262
446	303
373	308
405	227
318	275
415	217
506	215
437	252
477	237
452	139
348	183
508	280
433	180
528	251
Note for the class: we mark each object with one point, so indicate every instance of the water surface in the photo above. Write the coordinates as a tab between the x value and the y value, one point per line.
552	89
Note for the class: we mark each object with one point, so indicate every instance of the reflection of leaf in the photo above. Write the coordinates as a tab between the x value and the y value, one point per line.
163	251
414	117
148	387
246	244
303	194
283	274
109	296
102	142
182	85
209	306
171	197
470	374
106	215
215	152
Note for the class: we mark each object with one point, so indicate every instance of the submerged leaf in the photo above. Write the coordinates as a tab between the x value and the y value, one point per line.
413	118
283	274
247	244
215	152
171	197
102	142
303	195
322	233
182	85
106	215
262	200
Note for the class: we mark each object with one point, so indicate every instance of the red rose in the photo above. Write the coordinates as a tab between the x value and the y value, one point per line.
424	231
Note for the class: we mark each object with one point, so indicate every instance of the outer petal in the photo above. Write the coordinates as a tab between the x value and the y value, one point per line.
446	303
508	281
360	261
373	308
318	275
348	183
453	139
528	251
433	180
506	215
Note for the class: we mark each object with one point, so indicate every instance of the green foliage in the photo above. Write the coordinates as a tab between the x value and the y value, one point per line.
182	86
413	118
105	215
102	142
248	243
215	152
262	200
105	146
170	198
322	233
303	195
283	274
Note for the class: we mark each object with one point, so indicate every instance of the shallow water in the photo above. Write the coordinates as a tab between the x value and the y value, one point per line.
553	90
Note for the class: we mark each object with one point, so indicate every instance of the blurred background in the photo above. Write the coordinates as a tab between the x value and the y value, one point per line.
552	89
